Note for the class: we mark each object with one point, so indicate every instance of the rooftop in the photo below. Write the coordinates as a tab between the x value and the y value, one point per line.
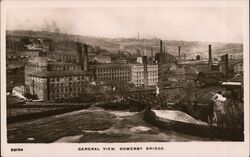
232	83
59	73
60	63
14	66
191	62
108	65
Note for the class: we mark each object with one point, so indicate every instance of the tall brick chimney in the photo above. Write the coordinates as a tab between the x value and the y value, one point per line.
78	53
179	53
161	46
210	54
85	58
226	64
152	52
145	63
224	59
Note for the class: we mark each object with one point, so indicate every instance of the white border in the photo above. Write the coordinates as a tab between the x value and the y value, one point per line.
171	148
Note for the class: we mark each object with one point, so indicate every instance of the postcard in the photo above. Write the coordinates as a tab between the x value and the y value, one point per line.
124	78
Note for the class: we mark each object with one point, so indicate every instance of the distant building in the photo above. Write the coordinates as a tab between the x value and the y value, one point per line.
30	53
152	70
198	57
91	57
51	81
111	72
119	58
202	69
55	85
102	59
138	74
63	56
37	64
61	66
33	47
134	59
238	67
14	43
234	87
15	76
68	52
139	60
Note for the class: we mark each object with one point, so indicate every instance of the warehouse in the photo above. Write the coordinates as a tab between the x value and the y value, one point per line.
53	85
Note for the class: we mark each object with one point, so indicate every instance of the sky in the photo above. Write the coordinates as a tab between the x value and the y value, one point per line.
214	24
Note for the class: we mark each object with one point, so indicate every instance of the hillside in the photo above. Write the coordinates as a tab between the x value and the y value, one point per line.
190	48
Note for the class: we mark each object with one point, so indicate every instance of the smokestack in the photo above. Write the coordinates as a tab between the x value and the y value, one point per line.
79	53
164	49
210	54
152	52
224	59
160	46
179	53
226	62
144	61
85	58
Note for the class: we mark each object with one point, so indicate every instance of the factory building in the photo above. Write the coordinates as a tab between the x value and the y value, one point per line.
30	53
163	57
111	72
202	69
36	64
14	43
152	70
55	85
102	59
51	81
69	52
138	76
62	66
15	76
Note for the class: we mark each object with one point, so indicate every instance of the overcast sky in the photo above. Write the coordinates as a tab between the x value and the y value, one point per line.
223	24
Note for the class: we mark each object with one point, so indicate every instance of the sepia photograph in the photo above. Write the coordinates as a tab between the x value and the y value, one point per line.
124	72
